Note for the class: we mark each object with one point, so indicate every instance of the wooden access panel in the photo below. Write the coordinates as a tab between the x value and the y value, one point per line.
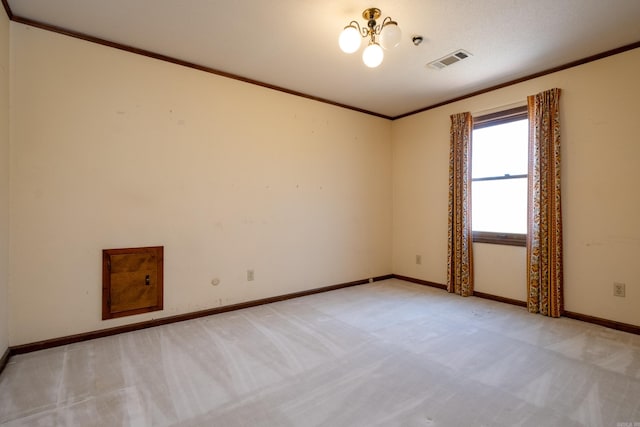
132	281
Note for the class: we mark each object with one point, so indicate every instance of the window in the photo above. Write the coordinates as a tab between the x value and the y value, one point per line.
499	177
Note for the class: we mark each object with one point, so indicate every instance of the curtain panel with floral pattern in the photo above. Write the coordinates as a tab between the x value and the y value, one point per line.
460	256
544	234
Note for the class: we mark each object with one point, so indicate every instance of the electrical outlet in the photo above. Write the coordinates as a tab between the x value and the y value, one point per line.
618	289
250	275
418	259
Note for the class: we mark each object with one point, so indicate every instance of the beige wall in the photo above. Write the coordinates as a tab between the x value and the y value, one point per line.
601	202
4	181
111	149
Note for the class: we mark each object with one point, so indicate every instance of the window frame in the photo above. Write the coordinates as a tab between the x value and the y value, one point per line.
494	119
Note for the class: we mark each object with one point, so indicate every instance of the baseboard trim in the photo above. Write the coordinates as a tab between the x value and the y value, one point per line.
500	299
612	324
5	359
86	336
420	281
475	293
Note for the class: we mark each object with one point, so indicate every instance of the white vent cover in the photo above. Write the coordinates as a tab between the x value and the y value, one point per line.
449	59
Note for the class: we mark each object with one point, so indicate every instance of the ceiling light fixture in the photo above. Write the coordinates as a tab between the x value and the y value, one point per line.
388	34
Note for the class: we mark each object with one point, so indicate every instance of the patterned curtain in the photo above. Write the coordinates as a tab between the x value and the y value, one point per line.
460	258
544	241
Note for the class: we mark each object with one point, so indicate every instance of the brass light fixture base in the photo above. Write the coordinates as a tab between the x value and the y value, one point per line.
371	13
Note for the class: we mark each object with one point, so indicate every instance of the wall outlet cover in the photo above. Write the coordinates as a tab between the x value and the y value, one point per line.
619	289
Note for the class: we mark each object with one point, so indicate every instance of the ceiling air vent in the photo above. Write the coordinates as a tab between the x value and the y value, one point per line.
449	59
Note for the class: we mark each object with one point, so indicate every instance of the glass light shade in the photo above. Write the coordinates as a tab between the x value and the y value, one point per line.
390	35
350	39
372	55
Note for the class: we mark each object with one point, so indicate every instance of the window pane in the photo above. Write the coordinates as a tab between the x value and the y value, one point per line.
500	206
500	150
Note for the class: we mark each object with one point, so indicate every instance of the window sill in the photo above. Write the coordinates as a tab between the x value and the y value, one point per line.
508	239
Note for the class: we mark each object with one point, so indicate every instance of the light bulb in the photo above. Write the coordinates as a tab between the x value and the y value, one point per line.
350	39
372	55
390	35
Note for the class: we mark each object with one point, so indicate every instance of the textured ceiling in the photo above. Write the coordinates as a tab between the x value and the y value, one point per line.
292	44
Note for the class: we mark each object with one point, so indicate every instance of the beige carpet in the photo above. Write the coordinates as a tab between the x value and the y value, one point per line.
389	353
